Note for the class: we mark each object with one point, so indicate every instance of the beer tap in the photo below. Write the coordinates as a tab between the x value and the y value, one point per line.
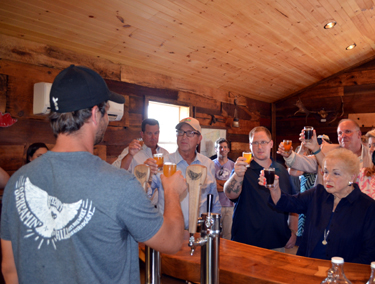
210	227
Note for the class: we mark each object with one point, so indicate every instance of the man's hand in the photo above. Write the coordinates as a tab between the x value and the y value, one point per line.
240	167
291	242
134	147
151	162
311	144
282	151
176	182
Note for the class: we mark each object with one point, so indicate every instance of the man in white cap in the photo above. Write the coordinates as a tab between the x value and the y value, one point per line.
189	136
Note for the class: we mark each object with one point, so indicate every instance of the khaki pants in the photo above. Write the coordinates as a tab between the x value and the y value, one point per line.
226	221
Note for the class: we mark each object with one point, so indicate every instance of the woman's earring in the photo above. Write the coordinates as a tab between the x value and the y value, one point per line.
350	183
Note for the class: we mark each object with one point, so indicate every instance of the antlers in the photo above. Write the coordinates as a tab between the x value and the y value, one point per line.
322	113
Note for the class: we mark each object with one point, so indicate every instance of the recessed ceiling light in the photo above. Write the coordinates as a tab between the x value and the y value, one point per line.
351	46
330	25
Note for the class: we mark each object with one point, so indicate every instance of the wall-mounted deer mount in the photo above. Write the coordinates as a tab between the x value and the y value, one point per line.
322	114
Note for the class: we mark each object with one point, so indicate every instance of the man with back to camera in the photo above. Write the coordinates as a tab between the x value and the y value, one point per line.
223	169
254	221
349	137
70	217
189	136
136	154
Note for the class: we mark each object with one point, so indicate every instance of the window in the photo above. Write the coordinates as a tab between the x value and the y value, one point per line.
168	116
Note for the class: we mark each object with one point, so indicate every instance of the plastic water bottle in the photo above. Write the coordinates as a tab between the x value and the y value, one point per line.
372	277
336	274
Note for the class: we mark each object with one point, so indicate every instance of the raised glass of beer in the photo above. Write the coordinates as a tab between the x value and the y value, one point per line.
247	155
158	157
140	140
169	169
308	133
269	174
287	145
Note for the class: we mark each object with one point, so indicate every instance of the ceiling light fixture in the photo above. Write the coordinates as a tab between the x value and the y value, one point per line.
351	46
330	25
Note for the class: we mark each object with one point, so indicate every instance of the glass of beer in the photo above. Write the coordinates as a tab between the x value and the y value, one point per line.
287	145
140	140
247	155
269	174
158	157
308	133
169	169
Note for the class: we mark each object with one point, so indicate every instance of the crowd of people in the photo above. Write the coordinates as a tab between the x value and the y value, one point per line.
66	205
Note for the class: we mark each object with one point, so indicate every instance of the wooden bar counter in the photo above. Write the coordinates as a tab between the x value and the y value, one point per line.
240	263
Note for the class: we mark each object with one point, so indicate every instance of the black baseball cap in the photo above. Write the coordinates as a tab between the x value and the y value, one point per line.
78	87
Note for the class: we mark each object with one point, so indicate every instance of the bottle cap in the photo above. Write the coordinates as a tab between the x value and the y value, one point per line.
373	264
337	260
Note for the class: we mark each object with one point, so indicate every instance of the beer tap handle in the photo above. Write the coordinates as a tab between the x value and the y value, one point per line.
209	203
142	173
195	177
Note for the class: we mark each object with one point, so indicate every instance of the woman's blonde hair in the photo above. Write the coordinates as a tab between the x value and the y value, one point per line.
347	159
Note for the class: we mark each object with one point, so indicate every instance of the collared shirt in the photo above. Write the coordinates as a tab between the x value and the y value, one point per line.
209	186
352	229
138	158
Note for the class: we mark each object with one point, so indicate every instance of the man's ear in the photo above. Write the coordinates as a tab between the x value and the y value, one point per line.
94	115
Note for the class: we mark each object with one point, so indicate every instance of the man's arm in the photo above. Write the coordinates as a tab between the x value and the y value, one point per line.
8	267
233	186
169	238
4	177
220	185
126	157
293	225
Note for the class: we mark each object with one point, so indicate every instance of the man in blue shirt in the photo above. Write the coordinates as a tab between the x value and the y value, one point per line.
254	221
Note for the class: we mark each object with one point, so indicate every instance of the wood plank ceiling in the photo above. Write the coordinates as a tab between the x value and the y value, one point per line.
261	49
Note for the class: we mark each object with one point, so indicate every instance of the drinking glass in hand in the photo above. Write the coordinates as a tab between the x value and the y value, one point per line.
287	145
247	155
269	174
169	169
158	157
140	140
308	132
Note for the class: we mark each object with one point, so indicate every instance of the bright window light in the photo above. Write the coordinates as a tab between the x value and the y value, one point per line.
168	116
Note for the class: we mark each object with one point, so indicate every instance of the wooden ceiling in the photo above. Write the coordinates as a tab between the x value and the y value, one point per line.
260	49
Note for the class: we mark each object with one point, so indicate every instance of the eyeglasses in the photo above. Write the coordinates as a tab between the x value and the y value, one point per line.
221	171
188	133
261	143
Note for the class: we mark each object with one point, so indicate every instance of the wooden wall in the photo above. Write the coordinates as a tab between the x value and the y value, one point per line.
25	63
357	89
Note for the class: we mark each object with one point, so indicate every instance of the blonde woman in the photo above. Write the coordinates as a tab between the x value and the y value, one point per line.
339	217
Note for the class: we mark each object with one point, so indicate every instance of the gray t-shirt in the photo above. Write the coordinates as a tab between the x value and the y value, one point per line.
73	218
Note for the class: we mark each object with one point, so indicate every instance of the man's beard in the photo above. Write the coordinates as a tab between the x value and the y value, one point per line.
100	133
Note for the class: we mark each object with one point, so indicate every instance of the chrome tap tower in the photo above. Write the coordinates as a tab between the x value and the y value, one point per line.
210	243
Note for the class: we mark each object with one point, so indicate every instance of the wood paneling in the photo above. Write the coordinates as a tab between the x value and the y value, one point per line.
260	50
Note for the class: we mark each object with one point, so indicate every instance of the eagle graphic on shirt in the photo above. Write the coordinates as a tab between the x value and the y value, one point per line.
47	218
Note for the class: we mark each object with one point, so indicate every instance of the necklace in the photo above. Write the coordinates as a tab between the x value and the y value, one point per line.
324	242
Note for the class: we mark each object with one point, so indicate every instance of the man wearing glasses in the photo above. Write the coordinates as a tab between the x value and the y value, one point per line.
189	136
349	137
223	168
254	221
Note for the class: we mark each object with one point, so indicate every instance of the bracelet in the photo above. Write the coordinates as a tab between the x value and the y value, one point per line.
317	152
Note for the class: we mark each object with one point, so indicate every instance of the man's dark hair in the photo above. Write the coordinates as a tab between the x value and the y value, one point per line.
149	121
70	122
219	141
